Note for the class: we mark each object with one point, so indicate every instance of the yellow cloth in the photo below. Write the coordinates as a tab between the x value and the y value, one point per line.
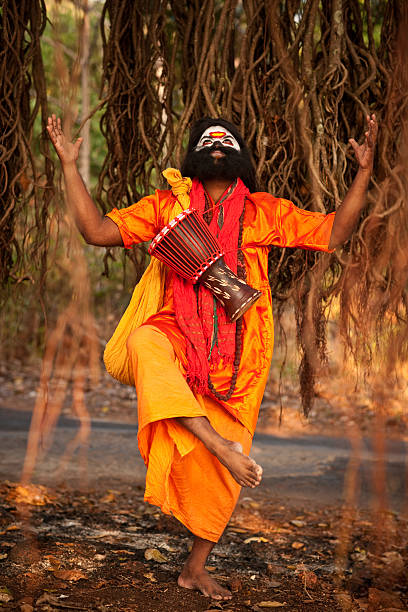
147	297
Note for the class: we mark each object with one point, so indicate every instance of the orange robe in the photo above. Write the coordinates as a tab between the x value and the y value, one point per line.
183	478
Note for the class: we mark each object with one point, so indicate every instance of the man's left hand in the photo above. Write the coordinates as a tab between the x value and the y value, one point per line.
365	152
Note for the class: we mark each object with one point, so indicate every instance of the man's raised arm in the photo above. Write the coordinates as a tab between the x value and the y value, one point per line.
349	211
95	228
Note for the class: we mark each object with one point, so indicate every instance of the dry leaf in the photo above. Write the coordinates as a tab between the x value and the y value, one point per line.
238	530
150	576
297	523
3	556
309	579
126	552
71	575
108	498
34	495
155	555
210	568
255	539
297	545
47	598
5	598
271	604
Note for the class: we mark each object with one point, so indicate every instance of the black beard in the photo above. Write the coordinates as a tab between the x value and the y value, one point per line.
201	165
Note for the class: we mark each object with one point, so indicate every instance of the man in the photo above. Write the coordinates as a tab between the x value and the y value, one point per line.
199	378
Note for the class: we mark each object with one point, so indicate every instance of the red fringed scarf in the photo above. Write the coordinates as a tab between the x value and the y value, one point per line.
210	337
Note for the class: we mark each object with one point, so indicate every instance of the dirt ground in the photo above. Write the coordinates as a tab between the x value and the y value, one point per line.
107	550
104	549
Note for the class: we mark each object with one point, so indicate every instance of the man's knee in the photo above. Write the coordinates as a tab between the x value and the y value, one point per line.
148	340
140	339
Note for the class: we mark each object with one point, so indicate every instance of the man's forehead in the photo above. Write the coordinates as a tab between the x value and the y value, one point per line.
216	131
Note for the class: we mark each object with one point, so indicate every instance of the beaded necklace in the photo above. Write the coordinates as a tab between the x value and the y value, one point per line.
241	273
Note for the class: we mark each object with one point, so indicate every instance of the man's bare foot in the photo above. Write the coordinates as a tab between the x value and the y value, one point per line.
244	469
201	580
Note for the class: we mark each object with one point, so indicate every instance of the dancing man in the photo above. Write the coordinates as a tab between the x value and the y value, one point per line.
199	378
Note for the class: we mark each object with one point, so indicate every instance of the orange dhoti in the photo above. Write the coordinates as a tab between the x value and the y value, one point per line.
183	477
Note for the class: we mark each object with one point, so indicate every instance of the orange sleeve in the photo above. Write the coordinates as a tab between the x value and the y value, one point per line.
138	222
280	223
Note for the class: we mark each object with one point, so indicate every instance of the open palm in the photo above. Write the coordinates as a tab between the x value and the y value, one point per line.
365	152
67	151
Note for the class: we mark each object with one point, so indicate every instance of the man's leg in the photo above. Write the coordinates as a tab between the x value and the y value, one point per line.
244	470
195	576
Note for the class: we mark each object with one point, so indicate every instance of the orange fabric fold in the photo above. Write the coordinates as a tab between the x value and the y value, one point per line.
183	478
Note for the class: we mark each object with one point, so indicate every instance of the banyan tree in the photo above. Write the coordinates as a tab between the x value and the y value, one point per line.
297	76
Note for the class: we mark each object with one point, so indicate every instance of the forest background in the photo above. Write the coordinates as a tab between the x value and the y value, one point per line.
298	77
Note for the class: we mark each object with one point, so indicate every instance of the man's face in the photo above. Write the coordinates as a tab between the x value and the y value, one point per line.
217	135
217	155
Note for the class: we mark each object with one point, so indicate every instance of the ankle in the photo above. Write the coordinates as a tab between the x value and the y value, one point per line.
193	567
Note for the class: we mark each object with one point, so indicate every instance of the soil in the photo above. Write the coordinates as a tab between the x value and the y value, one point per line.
102	549
107	550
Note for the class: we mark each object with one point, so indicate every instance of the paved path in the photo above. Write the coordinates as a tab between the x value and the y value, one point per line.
306	470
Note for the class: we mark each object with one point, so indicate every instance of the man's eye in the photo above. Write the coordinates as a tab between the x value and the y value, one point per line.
206	142
227	141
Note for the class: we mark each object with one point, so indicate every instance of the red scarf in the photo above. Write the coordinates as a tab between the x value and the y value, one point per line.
210	337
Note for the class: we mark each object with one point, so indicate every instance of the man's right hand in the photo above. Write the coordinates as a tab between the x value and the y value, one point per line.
95	229
67	151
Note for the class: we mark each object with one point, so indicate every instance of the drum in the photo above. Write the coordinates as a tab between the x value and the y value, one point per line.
187	245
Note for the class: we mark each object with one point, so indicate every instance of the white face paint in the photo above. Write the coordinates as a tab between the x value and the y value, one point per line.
219	134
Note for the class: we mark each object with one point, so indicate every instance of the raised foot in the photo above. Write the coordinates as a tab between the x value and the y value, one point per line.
200	580
244	469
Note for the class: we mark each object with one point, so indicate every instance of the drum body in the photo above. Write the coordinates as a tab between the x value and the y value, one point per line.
188	246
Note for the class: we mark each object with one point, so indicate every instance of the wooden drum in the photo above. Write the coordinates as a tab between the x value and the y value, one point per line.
187	245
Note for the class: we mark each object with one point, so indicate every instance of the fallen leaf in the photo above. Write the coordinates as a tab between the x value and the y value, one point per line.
238	530
210	568
235	584
121	552
155	555
13	528
108	498
297	523
3	556
344	600
5	598
34	495
383	599
297	545
255	539
309	579
150	576
271	604
53	561
70	575
273	584
47	598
